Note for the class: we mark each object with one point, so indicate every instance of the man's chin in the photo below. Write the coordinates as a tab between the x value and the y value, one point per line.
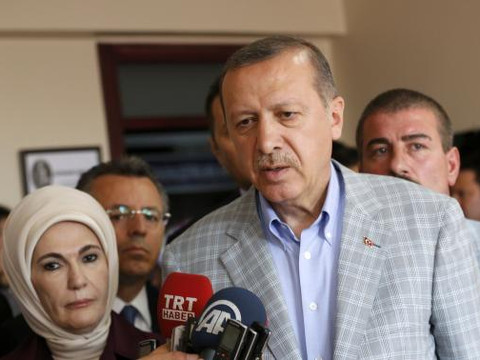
135	273
277	194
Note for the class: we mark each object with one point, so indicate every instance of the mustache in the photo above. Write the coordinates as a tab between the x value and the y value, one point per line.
275	160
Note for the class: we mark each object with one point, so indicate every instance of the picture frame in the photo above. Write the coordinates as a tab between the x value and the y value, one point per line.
56	166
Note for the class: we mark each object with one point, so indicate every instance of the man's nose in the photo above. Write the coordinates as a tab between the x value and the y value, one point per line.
399	163
137	225
268	135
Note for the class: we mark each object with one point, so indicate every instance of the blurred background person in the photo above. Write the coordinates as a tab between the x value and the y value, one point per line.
467	187
224	151
138	207
220	143
8	305
407	134
345	155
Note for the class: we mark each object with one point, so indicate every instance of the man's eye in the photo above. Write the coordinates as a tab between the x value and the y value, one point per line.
417	146
51	266
379	151
118	217
288	114
152	217
244	122
90	258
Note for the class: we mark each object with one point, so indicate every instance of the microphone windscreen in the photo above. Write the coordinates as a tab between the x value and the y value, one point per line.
229	303
181	296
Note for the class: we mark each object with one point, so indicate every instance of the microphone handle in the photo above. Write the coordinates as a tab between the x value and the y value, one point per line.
207	354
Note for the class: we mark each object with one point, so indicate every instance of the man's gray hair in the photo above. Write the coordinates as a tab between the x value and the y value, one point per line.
269	47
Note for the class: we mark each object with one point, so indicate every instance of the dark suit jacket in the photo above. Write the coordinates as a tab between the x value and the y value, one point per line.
13	332
122	343
152	296
5	311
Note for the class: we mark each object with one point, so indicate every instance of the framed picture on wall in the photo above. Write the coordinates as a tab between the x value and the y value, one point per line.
59	166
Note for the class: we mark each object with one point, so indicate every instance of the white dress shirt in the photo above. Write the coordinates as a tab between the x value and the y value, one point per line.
143	321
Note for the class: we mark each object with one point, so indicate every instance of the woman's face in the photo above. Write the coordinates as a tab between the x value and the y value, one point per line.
70	276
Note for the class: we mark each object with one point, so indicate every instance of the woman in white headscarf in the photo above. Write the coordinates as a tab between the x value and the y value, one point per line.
61	260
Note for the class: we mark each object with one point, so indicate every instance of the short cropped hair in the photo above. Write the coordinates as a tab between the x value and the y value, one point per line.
213	92
4	212
130	166
471	161
269	47
395	100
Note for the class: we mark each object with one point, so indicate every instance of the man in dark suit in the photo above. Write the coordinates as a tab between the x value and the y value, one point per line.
138	207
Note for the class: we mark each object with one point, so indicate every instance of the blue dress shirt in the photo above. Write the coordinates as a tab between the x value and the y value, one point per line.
307	269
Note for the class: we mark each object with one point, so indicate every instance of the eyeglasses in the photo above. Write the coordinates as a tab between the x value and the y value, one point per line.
121	213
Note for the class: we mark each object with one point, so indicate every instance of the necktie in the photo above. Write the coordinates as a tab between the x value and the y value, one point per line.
129	312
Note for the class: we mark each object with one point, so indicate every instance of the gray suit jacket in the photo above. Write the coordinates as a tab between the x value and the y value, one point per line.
415	296
475	228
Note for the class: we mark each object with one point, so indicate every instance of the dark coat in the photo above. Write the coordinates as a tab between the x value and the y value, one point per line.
152	296
122	343
14	331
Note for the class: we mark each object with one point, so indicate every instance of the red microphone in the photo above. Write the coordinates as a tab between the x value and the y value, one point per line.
182	296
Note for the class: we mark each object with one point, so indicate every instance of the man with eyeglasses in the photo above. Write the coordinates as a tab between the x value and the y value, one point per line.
138	207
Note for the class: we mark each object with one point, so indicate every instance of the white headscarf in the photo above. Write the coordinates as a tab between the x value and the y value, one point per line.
27	222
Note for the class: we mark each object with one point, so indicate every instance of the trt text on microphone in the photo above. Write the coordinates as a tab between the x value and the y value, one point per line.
182	296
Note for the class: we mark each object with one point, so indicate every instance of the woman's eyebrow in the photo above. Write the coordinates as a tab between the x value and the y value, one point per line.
59	256
89	247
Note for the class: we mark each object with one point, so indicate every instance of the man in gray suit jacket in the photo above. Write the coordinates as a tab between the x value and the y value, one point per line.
348	266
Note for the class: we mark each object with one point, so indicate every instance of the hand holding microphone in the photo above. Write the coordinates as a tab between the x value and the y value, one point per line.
164	353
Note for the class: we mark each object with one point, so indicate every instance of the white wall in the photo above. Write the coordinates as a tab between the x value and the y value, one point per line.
429	45
50	90
50	96
312	17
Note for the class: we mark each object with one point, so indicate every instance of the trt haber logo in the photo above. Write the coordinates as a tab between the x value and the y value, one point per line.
178	307
216	315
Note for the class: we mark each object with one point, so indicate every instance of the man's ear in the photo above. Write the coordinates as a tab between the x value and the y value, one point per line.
213	146
336	115
453	165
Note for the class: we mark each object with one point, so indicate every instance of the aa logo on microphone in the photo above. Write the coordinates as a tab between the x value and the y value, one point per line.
216	315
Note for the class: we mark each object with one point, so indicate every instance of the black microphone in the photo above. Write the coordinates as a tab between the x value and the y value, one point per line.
227	320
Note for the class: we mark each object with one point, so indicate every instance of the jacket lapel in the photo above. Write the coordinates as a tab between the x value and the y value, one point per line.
360	266
250	265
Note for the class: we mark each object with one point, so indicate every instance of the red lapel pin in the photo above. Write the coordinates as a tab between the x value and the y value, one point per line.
369	242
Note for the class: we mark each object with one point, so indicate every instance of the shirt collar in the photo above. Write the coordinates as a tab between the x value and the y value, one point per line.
140	302
324	222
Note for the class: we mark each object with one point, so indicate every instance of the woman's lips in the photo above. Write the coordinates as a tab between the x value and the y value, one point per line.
78	304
